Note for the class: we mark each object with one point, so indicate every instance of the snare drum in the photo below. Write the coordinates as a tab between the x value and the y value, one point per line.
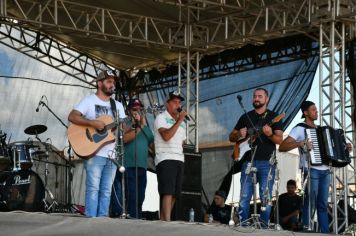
21	190
21	155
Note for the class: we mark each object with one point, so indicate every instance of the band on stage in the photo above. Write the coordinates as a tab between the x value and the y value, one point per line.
115	144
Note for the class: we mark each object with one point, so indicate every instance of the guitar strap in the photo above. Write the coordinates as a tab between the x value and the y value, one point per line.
304	125
113	107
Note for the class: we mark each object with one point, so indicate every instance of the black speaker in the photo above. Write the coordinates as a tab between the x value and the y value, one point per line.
191	196
192	179
187	201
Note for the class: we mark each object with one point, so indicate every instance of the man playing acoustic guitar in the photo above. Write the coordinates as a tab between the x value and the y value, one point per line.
264	142
100	171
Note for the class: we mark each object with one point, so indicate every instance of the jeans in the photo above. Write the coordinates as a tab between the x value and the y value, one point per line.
263	168
131	190
130	184
319	185
100	173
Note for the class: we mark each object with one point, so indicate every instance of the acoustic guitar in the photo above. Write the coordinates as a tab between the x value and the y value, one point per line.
242	145
86	141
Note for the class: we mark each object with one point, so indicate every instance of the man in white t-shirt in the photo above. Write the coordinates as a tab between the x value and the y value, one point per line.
169	135
100	170
319	175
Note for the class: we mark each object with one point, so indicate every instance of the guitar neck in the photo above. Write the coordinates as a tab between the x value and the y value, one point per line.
110	126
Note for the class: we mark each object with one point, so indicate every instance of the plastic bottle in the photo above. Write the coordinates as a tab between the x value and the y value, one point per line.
191	215
211	218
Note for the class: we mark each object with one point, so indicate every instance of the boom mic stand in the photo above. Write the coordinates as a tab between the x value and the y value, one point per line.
255	218
69	161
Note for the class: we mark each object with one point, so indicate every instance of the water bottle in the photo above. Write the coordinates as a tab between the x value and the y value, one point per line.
191	215
211	218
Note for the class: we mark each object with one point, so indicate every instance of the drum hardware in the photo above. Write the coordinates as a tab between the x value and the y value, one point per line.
49	205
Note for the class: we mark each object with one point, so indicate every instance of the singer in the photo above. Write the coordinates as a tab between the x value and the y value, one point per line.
137	140
253	126
169	138
100	171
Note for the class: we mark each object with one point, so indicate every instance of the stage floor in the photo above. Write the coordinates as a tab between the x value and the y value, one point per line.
25	223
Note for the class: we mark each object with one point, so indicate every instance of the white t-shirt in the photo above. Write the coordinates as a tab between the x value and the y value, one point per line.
298	134
173	148
91	108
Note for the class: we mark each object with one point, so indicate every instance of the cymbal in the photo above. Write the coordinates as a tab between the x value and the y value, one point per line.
35	129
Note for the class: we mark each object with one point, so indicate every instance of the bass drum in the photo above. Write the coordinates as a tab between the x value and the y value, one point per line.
21	190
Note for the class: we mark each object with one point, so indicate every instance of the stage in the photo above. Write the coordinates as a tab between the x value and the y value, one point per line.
25	223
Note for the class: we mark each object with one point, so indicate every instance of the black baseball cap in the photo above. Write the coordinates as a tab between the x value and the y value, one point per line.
305	105
221	193
173	95
134	102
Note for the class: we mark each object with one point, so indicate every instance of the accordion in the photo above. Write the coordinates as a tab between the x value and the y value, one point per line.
329	146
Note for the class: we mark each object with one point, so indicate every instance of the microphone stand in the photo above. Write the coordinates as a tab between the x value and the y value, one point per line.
119	158
135	126
310	210
69	161
255	218
136	169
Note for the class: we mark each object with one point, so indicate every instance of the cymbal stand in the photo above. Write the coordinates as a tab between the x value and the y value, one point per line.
48	206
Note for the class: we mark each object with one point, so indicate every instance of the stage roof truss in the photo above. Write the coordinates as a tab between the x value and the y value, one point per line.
204	26
53	53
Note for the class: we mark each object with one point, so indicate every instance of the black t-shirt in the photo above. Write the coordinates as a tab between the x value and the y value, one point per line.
221	214
287	204
265	146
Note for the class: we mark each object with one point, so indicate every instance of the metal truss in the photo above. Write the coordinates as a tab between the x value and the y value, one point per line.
51	52
336	104
189	87
213	25
234	61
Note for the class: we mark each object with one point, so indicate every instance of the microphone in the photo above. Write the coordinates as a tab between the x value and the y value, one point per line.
239	98
39	104
186	117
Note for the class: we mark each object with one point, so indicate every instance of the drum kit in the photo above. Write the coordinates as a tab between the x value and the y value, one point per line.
21	187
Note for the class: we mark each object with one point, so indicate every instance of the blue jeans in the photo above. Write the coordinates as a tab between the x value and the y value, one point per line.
247	187
130	184
100	173
319	185
131	190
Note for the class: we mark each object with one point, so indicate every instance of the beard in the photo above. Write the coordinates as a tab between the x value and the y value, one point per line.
108	92
257	105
